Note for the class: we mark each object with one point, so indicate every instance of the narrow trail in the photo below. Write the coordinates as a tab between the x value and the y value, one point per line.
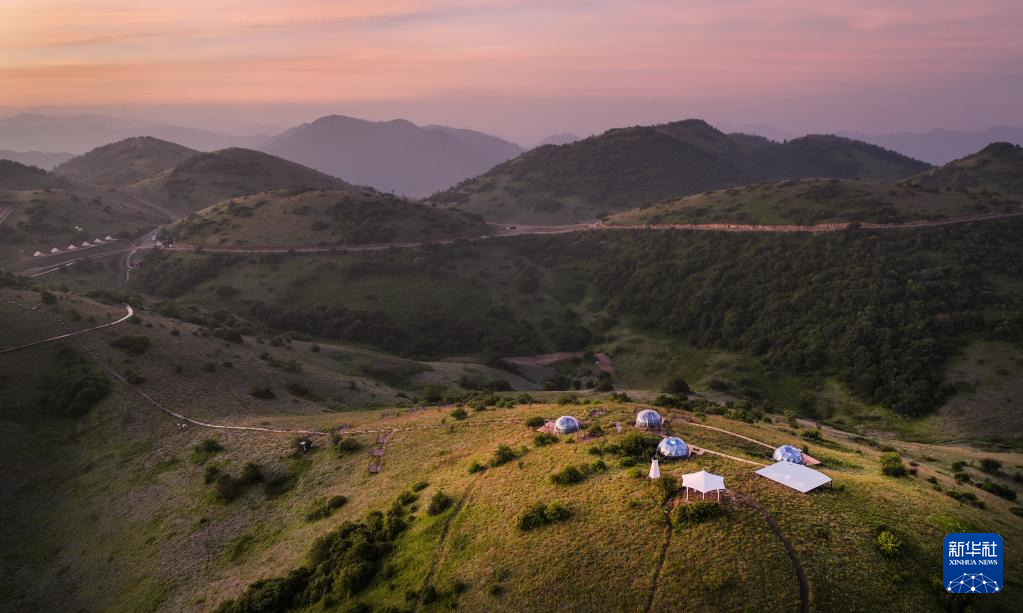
128	314
804	585
442	543
735	434
661	557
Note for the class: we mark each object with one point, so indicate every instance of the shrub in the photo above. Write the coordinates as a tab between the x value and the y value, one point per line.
278	484
538	515
251	473
132	343
47	297
966	498
326	508
695	513
264	392
206	449
345	445
226	487
636	445
419	486
891	464
568	476
677	386
545	438
476	467
502	455
997	489
666	487
888	544
439	503
990	465
535	422
74	386
459	413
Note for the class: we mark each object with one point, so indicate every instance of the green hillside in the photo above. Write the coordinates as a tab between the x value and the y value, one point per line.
879	313
210	518
996	170
308	217
125	162
813	201
15	176
208	178
627	167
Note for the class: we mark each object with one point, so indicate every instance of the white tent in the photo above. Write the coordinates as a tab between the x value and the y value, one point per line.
97	241
655	469
54	250
108	238
86	244
703	482
37	254
72	247
796	476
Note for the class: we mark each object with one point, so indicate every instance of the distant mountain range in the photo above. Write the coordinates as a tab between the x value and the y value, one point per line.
628	167
81	133
942	146
396	156
41	159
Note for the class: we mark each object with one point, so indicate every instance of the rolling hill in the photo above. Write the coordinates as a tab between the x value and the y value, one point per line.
207	178
996	168
814	201
307	217
125	162
225	512
942	146
627	167
15	176
395	156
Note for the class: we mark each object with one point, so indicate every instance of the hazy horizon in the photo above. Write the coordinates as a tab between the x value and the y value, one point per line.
521	70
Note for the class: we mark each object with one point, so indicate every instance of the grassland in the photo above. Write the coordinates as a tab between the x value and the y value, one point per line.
813	201
125	162
113	513
304	218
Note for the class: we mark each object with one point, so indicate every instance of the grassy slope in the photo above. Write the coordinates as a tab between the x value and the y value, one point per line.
125	162
996	168
307	218
167	544
810	201
207	178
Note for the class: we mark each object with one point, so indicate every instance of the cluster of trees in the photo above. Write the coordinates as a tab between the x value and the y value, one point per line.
880	311
74	386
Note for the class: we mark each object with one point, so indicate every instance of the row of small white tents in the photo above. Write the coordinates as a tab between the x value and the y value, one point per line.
73	247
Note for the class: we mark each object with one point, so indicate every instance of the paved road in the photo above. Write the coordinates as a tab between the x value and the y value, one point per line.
129	312
596	225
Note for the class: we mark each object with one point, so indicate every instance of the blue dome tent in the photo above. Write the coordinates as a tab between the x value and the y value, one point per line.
673	447
649	419
788	453
566	424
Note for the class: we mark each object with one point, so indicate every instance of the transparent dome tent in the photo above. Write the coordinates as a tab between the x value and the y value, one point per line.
566	424
788	453
649	419
673	447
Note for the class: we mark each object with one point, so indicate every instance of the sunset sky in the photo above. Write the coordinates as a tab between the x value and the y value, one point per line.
524	68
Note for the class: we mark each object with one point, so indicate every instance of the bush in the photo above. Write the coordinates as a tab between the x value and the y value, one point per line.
538	515
439	503
888	544
966	498
677	386
535	422
459	413
545	438
345	445
419	486
206	449
568	476
502	455
695	513
997	489
326	508
74	386
666	487
891	465
132	343
278	484
990	465
264	392
476	467
47	297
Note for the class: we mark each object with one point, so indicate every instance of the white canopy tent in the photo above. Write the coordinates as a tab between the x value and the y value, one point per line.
655	469
703	482
796	476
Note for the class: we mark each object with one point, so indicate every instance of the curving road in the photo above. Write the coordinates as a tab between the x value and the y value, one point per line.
599	226
128	314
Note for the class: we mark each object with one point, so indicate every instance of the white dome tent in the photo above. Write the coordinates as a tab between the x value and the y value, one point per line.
788	453
673	447
648	419
566	424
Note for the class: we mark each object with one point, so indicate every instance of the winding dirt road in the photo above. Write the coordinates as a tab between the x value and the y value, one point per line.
128	314
600	226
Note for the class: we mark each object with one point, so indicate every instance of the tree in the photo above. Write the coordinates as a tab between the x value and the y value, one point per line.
677	385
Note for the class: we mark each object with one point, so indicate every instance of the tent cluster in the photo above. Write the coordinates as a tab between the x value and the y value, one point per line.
73	247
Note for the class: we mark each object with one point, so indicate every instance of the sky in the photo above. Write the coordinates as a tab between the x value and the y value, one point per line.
522	69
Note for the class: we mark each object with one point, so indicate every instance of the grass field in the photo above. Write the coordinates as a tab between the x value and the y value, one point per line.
114	514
